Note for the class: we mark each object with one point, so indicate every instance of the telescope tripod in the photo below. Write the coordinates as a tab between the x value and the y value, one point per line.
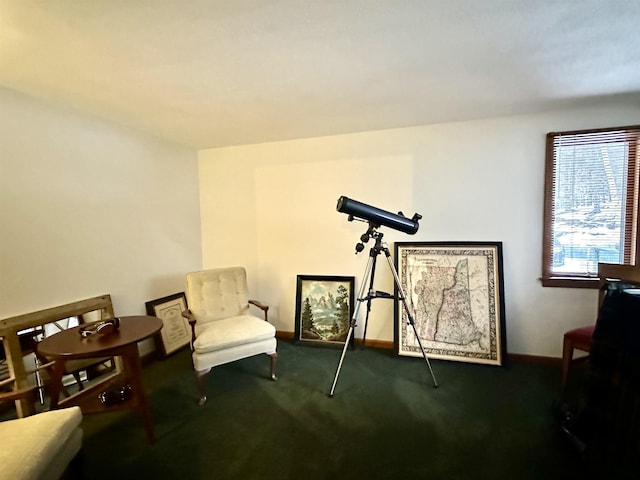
369	274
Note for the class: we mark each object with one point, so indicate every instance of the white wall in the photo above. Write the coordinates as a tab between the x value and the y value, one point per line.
271	207
88	208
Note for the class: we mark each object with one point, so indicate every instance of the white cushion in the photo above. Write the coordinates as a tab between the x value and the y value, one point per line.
32	444
232	331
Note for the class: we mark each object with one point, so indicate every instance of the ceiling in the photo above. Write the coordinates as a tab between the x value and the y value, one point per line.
211	73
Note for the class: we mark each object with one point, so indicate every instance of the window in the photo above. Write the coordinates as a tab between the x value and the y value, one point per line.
591	204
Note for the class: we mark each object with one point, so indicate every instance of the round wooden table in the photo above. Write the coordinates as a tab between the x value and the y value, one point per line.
123	344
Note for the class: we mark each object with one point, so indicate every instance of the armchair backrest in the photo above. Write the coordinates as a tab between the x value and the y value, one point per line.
217	294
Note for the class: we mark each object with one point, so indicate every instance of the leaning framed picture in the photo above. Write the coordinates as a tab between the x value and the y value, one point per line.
176	332
455	293
324	306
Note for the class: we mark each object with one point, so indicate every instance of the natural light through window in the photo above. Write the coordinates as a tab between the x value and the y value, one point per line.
590	202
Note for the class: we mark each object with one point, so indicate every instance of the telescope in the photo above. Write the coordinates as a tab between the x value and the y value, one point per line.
377	217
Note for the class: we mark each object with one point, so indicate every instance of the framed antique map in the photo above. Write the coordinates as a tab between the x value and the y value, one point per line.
456	294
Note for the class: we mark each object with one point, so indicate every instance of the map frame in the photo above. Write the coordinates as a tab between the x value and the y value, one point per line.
455	291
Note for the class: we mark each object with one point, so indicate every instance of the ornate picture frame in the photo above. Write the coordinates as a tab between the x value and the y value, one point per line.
456	294
176	332
324	307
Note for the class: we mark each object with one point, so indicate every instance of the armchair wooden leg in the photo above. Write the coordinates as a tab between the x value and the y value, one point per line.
274	357
200	378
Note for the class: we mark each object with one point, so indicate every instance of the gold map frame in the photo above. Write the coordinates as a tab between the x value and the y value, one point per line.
455	292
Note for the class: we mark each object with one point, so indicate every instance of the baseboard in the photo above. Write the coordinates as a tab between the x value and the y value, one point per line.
285	335
369	343
535	359
385	344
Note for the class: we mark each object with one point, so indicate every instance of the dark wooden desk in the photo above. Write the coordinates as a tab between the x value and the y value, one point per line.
69	344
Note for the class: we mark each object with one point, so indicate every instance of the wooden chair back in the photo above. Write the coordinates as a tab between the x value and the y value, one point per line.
100	307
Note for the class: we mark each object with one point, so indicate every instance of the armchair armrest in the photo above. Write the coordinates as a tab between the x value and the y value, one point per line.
261	306
192	321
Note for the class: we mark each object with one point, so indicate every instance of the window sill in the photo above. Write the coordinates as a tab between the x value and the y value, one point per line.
571	282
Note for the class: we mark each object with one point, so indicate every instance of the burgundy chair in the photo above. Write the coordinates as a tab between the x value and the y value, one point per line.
576	339
580	338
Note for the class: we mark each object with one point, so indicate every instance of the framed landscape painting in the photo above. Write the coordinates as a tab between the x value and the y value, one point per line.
456	295
324	306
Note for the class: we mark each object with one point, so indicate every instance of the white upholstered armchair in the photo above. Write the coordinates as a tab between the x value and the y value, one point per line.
222	327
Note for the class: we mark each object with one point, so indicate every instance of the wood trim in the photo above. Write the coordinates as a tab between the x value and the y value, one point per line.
42	317
285	335
535	360
622	273
388	345
629	134
384	344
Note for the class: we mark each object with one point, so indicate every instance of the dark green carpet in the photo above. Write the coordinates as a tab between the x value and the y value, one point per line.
384	421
